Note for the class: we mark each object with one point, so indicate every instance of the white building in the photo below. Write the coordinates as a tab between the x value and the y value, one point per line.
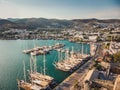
92	38
78	36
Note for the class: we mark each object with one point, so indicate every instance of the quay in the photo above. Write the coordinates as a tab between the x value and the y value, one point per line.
79	74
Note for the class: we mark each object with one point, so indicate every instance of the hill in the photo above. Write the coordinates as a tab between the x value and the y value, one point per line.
34	23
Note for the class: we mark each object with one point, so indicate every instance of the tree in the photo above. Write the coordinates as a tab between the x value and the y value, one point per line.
98	39
117	57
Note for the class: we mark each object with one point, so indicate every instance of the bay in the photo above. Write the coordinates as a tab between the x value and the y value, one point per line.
12	57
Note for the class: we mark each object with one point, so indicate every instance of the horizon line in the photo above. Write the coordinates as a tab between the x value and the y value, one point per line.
57	18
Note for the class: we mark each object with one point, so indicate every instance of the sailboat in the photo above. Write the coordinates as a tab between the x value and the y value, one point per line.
72	61
58	63
61	63
40	79
25	85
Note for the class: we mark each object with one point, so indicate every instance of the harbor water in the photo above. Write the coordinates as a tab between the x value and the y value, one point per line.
12	57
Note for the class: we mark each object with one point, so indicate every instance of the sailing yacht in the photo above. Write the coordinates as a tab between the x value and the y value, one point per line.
40	79
71	62
26	85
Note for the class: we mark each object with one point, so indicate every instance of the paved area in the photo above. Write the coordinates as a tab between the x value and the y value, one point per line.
117	83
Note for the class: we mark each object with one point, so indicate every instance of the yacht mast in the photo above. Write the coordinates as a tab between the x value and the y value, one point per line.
31	63
72	52
35	67
44	65
24	71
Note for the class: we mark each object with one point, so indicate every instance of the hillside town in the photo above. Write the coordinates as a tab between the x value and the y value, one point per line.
85	30
65	34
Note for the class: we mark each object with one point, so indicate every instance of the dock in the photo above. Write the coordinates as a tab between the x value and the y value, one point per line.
43	50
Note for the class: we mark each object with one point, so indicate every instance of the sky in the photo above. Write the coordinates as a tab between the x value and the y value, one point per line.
60	9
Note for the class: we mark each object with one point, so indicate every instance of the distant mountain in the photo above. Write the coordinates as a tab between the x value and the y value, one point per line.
34	23
97	20
90	24
5	24
13	19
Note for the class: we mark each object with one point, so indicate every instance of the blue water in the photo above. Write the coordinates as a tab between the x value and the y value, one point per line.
11	60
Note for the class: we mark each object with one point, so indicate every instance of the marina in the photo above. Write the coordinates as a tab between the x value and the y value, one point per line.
38	80
59	45
12	63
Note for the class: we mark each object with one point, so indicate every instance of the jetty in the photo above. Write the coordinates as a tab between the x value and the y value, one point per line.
43	50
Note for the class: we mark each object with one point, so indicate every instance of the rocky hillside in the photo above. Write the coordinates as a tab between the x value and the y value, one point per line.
34	23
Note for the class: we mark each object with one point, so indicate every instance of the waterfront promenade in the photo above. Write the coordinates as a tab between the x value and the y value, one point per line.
78	75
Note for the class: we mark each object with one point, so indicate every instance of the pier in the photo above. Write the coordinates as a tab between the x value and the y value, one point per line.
43	50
